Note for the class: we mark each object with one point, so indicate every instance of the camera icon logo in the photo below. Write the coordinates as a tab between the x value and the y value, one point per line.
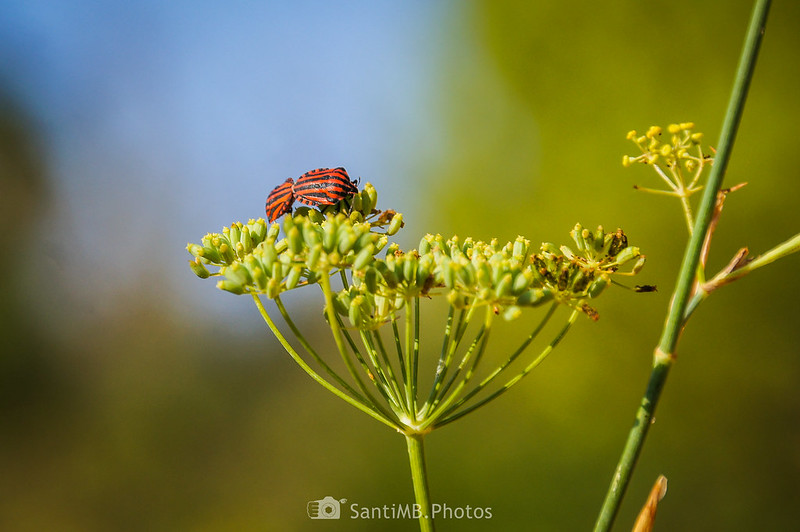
325	508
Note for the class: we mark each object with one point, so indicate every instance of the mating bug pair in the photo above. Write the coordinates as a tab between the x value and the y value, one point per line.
323	186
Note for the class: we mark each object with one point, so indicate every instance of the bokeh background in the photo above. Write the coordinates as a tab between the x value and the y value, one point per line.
134	396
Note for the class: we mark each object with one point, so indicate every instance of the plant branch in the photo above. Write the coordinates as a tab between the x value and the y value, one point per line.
665	352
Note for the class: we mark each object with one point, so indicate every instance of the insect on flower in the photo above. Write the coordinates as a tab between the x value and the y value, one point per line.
323	186
279	201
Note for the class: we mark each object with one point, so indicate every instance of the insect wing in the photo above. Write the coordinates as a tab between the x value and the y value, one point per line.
279	201
324	186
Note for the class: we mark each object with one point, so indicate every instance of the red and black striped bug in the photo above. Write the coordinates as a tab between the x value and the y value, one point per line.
279	201
323	186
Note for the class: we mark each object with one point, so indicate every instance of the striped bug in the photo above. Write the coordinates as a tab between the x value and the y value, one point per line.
279	201
323	186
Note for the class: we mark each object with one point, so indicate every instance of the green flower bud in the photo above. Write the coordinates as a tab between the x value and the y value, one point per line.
356	216
288	223
294	277
334	259
268	254
272	232
381	242
347	240
195	250
199	268
535	297
521	282
395	224
364	257
259	277
466	275
281	246
369	198
391	251
521	249
230	286
330	229
311	234
313	256
234	233
483	274
246	240
341	303
237	273
354	312
258	230
425	245
273	288
371	280
577	236
409	268
599	238
227	253
626	254
503	288
357	203
388	275
598	285
549	247
295	240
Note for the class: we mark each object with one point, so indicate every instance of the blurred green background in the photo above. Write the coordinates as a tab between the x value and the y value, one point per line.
136	397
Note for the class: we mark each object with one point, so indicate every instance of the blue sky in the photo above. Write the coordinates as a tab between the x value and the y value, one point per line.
166	120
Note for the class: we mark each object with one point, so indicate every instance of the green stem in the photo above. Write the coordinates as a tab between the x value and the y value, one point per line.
449	347
419	476
311	351
411	398
446	400
336	330
452	413
386	384
300	362
398	347
440	366
665	353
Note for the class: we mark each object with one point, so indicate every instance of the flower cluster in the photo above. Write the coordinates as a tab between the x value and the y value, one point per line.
680	149
679	162
252	259
348	237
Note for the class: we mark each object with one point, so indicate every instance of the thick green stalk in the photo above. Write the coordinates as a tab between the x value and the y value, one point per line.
419	476
665	353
